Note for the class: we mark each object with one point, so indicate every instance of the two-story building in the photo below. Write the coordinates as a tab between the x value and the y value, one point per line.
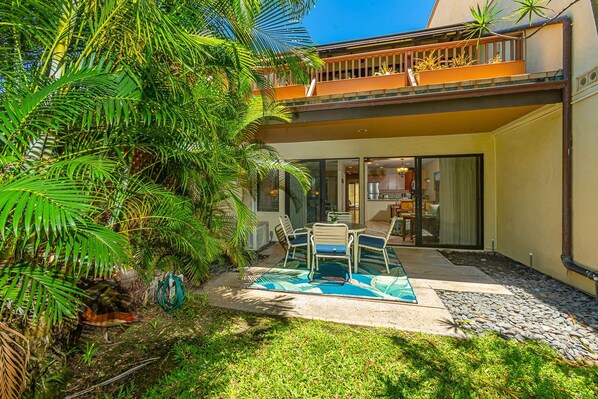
488	144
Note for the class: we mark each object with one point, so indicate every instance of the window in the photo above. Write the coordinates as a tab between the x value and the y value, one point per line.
267	193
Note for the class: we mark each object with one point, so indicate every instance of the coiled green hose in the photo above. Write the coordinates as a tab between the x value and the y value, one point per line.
171	292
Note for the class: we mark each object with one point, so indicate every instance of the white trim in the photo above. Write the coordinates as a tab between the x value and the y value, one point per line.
527	119
581	97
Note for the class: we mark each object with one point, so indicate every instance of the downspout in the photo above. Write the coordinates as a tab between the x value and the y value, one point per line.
567	167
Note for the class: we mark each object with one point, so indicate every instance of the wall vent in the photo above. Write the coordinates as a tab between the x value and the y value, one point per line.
587	80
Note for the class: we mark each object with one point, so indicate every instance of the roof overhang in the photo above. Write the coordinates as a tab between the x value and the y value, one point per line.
425	103
472	110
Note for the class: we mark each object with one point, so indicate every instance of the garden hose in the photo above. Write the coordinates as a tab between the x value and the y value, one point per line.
171	292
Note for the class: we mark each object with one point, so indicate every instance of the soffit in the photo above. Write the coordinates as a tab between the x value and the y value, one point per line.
442	123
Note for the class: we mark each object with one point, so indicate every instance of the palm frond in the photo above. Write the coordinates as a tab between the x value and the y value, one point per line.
59	104
48	206
36	291
530	8
485	17
14	358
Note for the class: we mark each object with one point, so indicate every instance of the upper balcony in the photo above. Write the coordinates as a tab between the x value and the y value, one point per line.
412	69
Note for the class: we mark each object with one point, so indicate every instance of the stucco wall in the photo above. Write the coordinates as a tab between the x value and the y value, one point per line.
542	48
528	203
396	147
528	152
448	12
585	180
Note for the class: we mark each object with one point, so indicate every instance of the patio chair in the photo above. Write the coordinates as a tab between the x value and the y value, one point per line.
341	217
295	238
376	241
282	238
330	241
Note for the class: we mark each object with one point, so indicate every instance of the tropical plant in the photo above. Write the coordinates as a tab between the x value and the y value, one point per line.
88	353
128	138
497	58
14	357
461	60
430	62
530	8
384	70
486	17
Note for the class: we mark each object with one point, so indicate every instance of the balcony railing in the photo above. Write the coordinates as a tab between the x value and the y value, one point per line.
408	66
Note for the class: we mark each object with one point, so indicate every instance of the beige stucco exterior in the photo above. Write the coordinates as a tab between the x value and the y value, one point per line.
522	159
544	48
528	153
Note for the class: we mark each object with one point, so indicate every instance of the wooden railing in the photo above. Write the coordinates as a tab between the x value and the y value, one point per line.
399	60
398	63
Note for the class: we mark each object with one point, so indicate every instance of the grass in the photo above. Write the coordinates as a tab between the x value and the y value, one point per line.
247	356
214	353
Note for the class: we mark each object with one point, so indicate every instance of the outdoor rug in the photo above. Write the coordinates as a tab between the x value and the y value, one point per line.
370	282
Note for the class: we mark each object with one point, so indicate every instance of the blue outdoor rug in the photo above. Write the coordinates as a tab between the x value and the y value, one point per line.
370	282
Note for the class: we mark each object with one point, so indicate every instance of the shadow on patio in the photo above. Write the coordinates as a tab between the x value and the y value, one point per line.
427	271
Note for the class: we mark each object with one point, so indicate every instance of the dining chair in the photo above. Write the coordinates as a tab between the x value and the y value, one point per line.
330	241
406	206
342	217
295	238
376	241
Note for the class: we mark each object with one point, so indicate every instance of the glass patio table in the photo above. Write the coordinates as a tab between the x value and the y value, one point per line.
354	228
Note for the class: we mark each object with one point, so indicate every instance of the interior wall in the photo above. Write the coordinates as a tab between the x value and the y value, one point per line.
480	143
428	169
341	186
528	186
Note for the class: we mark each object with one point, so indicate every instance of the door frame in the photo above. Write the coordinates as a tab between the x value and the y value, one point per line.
479	203
322	185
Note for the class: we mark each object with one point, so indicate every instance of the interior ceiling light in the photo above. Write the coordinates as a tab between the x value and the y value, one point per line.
402	169
367	160
362	131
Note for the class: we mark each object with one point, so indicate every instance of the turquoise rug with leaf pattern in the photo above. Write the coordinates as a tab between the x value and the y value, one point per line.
371	281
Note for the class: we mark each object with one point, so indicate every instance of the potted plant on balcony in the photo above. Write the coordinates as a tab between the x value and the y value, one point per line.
430	70
385	78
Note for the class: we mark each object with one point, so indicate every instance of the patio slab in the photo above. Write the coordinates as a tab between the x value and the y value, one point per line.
428	268
428	315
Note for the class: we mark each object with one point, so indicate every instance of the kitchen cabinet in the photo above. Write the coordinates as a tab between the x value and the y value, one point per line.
409	178
387	182
392	181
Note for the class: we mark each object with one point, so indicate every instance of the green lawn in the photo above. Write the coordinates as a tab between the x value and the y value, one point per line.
246	356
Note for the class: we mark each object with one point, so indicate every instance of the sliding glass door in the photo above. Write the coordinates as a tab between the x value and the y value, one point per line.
305	208
329	191
449	201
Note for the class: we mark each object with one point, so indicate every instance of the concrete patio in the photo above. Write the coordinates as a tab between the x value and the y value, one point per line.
427	270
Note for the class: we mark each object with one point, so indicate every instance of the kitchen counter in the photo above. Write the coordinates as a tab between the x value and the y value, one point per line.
387	199
378	209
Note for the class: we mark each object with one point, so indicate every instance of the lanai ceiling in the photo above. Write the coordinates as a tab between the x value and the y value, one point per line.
443	123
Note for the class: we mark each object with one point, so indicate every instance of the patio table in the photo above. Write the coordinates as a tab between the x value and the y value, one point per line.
354	228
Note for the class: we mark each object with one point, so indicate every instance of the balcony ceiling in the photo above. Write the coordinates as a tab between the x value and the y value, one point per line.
442	123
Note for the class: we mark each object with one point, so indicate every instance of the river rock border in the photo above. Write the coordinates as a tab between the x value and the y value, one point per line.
541	308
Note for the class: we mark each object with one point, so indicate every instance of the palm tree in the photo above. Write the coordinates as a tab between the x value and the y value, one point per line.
128	138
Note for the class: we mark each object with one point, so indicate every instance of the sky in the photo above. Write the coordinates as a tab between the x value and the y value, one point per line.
338	20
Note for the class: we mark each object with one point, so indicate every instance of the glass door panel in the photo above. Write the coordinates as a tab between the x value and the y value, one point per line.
449	202
306	208
328	191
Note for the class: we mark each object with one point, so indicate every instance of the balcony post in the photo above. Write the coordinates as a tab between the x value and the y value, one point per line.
408	64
